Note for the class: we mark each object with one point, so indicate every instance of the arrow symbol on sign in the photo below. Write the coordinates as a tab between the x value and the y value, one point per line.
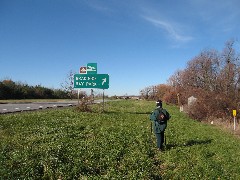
104	80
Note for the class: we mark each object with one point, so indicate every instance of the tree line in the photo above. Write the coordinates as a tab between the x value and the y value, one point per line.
213	77
17	90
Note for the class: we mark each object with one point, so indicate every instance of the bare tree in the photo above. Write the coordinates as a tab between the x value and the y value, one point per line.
213	77
146	93
230	77
204	70
161	90
68	85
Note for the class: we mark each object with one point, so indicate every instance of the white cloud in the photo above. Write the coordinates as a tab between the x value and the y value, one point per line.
98	6
172	30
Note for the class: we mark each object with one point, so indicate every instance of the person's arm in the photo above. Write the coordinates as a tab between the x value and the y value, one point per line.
153	116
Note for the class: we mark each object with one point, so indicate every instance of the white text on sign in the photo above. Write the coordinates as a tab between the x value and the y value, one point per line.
93	84
85	78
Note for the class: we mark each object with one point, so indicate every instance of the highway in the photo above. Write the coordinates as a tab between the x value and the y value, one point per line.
22	107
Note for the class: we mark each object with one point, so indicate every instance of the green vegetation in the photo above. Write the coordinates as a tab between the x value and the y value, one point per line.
17	90
117	144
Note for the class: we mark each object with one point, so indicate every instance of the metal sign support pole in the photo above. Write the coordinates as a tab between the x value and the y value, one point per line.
78	95
103	100
234	123
92	96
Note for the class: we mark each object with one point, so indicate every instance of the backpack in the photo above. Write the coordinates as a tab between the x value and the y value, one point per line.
162	117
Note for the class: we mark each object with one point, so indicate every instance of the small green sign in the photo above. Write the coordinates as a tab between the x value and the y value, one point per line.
92	68
100	81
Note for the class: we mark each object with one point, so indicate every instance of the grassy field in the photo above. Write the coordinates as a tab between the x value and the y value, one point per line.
117	144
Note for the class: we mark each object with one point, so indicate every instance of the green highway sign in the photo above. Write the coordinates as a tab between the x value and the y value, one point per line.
100	81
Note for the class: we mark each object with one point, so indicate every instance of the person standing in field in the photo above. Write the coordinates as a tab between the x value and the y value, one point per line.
159	118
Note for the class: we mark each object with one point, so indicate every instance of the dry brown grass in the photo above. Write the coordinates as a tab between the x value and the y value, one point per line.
226	124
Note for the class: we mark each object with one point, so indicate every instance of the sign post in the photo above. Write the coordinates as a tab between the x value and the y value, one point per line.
103	100
82	70
234	119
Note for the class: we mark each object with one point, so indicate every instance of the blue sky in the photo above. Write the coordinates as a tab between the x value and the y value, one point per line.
139	43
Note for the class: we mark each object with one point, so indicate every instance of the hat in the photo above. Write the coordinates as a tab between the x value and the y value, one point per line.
159	103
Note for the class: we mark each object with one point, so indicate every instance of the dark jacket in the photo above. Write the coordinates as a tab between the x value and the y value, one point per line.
159	126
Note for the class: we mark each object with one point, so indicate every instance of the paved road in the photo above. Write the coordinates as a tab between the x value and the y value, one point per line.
19	107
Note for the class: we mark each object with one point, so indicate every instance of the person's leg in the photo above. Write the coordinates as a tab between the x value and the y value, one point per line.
159	138
162	140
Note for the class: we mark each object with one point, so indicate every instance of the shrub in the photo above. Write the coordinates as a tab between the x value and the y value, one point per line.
83	106
211	104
